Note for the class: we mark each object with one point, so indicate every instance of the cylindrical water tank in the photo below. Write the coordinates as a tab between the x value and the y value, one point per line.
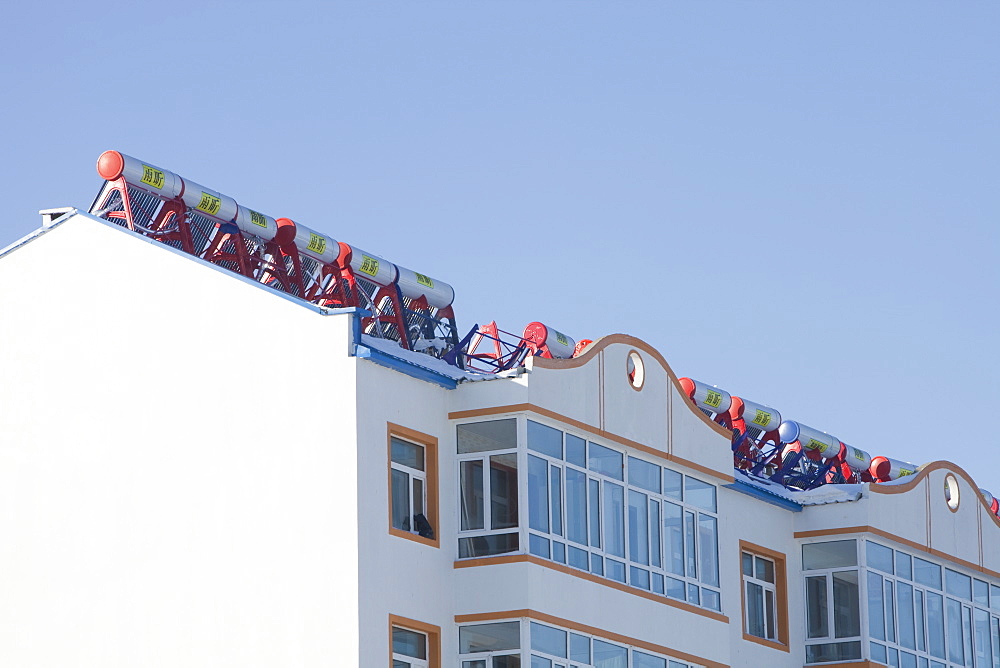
991	501
886	468
370	267
559	345
757	415
306	241
857	459
823	444
208	202
112	165
705	396
256	223
413	286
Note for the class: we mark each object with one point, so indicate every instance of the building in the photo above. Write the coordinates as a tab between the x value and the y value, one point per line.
199	470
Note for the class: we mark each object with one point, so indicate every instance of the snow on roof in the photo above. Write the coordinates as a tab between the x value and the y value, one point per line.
818	496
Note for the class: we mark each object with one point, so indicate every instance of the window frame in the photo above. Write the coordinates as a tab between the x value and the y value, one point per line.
429	475
517	491
780	589
432	638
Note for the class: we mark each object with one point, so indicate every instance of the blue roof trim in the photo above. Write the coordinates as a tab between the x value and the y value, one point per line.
405	367
757	492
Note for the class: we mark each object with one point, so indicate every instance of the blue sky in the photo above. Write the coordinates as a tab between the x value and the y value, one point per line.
795	201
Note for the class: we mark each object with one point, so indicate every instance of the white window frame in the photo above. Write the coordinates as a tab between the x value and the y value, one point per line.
770	625
412	474
413	661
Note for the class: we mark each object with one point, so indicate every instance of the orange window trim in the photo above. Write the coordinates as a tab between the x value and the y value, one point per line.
537	561
590	630
433	634
430	445
780	588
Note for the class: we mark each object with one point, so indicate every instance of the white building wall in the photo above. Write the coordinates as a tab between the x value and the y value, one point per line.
177	470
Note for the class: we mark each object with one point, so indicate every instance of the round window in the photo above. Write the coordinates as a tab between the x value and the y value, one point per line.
636	370
951	491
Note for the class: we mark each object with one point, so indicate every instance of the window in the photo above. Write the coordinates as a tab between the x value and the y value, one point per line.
833	609
765	602
499	645
621	517
413	644
413	485
922	614
488	488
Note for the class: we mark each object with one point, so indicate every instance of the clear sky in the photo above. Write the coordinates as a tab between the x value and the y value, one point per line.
796	201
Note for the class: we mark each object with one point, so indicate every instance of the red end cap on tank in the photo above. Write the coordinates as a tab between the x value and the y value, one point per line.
536	333
688	386
110	165
285	236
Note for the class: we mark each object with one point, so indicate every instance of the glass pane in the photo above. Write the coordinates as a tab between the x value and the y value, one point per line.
418	497
540	662
755	609
691	564
638	577
643	474
926	573
614	570
918	607
676	589
576	506
967	634
396	663
548	640
764	569
904	565
491	435
579	648
655	548
407	454
708	549
471	481
981	593
956	652
995	635
479	663
983	647
607	655
673	538
559	552
700	494
958	584
672	484
503	491
510	661
408	643
538	494
638	527
935	624
834	554
878	653
596	564
846	609
995	597
747	563
641	660
538	546
769	614
579	558
890	612
400	500
555	499
905	613
879	557
876	607
711	599
607	461
545	439
576	450
595	512
837	651
614	519
816	616
489	637
657	583
484	546
907	660
694	594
